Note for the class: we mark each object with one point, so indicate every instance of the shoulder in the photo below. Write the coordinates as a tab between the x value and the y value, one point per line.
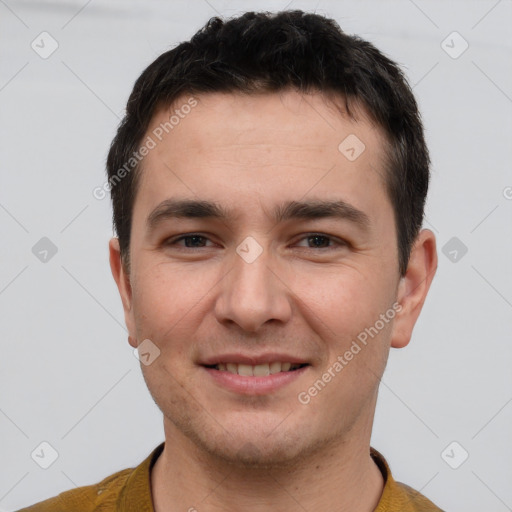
92	498
127	487
397	496
415	500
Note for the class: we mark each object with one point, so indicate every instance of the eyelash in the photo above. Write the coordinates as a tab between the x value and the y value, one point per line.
338	242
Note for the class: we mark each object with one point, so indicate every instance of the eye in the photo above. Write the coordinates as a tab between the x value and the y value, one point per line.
191	241
310	241
320	241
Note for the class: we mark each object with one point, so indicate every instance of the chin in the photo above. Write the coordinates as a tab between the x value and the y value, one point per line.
258	447
258	454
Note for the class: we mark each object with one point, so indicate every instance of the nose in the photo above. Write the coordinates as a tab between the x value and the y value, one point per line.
253	294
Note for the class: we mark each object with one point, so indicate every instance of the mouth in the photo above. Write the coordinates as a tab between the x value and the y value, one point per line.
258	370
255	374
262	374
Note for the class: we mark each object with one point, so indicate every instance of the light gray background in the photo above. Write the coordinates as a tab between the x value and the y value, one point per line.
67	373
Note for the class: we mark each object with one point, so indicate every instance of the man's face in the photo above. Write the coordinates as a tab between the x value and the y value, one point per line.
301	288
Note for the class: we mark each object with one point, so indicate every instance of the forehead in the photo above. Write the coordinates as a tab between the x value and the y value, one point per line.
229	119
261	147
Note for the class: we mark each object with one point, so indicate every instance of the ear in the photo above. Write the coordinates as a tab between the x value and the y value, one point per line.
414	286
122	279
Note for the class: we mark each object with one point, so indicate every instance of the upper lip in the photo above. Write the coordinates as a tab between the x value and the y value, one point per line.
238	358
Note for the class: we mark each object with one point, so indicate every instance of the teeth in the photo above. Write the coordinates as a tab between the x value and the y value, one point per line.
259	370
275	368
245	370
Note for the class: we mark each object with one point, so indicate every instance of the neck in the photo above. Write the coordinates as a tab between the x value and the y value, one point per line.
339	477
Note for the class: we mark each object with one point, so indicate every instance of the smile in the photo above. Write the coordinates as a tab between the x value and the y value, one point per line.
258	370
260	379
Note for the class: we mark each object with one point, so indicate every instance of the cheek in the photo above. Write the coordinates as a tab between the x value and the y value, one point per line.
344	294
346	315
163	298
159	307
347	307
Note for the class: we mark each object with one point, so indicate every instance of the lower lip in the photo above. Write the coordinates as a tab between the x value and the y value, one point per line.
254	385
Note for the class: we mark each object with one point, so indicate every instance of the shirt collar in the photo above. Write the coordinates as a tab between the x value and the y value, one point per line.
136	494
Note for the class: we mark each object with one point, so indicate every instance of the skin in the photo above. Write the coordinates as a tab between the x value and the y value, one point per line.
250	153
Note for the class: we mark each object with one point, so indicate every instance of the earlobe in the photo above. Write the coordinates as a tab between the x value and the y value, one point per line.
414	286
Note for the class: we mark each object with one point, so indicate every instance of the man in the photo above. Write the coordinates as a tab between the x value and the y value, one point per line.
268	185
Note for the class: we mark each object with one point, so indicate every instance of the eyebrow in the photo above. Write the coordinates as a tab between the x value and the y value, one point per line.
305	210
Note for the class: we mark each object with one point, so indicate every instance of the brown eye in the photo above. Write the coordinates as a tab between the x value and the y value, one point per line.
320	241
192	241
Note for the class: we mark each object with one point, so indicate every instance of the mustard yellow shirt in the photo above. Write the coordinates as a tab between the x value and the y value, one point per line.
130	491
